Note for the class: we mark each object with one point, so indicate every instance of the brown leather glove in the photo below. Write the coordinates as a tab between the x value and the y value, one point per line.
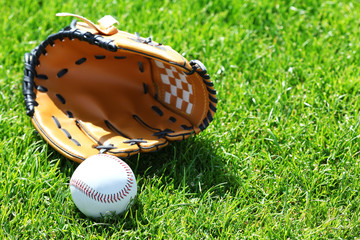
91	88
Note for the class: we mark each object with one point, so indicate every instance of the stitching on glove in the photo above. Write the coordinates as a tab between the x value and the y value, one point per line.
158	111
212	91
172	119
69	114
146	88
68	135
57	123
66	151
135	141
99	57
41	88
139	120
28	84
42	77
163	133
141	67
186	127
105	148
60	98
210	84
212	99
157	132
80	61
83	129
166	132
120	57
209	116
212	107
183	135
113	128
76	142
196	65
62	72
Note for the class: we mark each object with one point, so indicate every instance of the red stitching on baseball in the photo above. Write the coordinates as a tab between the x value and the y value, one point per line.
119	196
106	198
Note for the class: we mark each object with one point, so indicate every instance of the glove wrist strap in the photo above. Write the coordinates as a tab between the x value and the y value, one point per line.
105	27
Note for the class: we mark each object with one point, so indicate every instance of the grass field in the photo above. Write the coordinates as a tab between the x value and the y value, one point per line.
279	161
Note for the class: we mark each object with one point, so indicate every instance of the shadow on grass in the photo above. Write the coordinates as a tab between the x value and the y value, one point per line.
192	166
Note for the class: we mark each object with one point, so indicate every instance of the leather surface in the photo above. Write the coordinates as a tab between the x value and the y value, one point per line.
136	99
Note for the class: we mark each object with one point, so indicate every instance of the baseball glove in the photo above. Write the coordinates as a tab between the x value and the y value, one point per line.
91	88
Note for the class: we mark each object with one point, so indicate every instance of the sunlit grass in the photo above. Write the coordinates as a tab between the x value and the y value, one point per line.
279	161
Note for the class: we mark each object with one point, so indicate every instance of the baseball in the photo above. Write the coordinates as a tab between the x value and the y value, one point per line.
103	185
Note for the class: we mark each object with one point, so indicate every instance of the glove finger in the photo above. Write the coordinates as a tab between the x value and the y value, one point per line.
123	140
61	131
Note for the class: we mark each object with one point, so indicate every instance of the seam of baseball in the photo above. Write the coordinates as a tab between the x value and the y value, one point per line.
106	198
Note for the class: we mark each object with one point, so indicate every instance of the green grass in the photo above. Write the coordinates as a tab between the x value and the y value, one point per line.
280	160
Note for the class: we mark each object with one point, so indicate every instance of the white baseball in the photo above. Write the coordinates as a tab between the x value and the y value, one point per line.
103	184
